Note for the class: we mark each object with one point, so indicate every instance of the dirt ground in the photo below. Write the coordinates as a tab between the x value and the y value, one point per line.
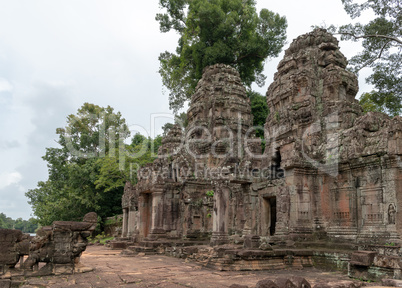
113	270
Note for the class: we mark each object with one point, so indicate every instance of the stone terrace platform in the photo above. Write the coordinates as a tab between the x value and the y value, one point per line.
369	263
111	269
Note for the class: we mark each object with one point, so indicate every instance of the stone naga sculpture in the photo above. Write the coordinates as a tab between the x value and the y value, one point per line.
13	244
61	243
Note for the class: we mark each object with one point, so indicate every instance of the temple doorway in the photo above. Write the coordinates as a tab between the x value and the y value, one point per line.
268	216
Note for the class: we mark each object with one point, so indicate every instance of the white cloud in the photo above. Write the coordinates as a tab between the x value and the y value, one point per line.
5	86
6	144
8	179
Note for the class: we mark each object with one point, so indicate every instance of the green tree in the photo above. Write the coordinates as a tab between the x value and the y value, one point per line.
91	131
382	43
77	169
6	222
216	31
141	151
26	226
180	119
137	139
259	109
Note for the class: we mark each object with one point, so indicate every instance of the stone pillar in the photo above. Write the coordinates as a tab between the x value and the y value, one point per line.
247	213
255	212
132	225
157	214
125	223
220	216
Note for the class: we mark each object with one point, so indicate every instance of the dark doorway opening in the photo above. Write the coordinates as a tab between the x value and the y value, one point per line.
269	216
272	203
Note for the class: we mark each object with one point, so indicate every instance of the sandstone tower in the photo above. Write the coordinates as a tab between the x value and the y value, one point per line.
327	172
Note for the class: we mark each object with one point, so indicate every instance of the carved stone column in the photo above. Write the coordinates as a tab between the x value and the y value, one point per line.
157	214
220	215
132	225
125	223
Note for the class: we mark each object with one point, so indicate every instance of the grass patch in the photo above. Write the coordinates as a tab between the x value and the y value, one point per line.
113	221
101	238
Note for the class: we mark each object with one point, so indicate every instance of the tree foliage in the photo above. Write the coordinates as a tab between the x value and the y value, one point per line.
179	119
83	171
260	110
26	226
216	31
382	43
89	169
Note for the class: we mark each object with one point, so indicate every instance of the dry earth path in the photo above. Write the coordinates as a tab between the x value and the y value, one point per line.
113	270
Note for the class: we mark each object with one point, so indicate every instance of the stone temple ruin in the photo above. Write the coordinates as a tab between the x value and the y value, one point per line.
327	190
58	246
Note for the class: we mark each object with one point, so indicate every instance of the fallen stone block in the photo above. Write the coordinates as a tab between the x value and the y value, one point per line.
283	282
392	282
342	284
322	285
300	282
266	283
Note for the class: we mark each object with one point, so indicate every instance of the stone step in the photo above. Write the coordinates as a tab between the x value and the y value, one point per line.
182	243
142	249
116	245
128	239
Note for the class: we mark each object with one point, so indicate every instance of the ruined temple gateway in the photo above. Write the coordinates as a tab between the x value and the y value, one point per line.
328	171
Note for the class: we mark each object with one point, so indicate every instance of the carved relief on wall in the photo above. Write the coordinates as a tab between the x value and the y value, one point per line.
391	214
303	204
372	205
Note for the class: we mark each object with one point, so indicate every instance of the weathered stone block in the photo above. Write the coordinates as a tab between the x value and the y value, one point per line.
322	285
251	241
9	239
266	283
388	261
5	283
61	269
118	245
284	282
362	258
10	235
300	282
392	282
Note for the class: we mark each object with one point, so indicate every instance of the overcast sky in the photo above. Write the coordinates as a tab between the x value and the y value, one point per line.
57	54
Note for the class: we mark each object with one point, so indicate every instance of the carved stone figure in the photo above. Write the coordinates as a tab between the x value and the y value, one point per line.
391	214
